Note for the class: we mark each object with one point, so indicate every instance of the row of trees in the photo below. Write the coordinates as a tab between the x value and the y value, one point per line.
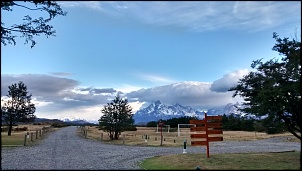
232	122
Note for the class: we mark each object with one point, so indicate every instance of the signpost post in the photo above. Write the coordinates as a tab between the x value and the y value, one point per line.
161	131
209	125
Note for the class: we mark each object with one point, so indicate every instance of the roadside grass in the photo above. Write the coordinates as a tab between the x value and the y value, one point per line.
17	137
229	161
171	139
242	161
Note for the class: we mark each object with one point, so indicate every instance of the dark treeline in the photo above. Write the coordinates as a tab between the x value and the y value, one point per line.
233	122
173	122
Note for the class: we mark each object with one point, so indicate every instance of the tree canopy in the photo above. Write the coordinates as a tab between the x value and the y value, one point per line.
116	118
18	106
31	26
273	90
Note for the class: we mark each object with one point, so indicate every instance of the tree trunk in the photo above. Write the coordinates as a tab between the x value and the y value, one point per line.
10	127
116	135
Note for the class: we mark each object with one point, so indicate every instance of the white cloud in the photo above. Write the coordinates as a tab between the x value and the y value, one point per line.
203	15
57	97
126	88
194	94
155	79
228	81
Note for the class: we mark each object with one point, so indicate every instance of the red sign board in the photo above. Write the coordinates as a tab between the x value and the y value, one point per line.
210	125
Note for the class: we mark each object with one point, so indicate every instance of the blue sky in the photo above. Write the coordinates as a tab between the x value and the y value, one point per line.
187	52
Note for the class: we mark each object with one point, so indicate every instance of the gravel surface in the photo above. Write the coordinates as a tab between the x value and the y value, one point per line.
65	150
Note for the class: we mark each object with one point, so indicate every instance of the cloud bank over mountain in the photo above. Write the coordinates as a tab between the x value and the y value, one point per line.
56	97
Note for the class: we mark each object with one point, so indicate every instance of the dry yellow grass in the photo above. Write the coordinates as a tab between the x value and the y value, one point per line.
17	137
172	139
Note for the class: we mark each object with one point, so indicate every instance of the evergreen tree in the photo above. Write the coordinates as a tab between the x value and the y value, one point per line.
18	106
274	89
117	117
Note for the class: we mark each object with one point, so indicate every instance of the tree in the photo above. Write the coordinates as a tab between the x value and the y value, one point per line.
117	117
274	89
18	107
31	27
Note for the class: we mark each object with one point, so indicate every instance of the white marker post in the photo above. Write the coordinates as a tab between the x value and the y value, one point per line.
185	146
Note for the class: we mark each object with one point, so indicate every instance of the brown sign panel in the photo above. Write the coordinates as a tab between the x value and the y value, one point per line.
197	129
214	125
198	136
198	143
214	131
215	139
214	117
197	122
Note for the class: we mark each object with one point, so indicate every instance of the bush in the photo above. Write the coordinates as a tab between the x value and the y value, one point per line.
4	129
131	128
21	129
38	123
58	125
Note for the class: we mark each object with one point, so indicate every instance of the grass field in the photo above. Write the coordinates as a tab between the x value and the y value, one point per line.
248	161
172	139
244	161
17	137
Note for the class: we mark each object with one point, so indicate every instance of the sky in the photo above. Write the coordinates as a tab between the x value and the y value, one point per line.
186	52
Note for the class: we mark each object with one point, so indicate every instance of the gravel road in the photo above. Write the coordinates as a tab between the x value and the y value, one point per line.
64	150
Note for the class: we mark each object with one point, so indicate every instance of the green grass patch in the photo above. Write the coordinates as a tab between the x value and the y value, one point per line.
242	161
14	139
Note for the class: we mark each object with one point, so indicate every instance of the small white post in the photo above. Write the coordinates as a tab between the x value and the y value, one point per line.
185	146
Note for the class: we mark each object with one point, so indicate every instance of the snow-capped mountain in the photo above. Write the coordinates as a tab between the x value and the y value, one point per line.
227	109
158	110
78	120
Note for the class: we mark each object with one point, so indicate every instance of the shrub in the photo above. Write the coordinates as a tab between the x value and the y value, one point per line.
21	129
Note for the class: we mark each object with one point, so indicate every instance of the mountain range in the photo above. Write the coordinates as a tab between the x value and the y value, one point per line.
158	110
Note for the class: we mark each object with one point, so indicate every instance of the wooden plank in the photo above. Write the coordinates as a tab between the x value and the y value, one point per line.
214	124
210	139
197	122
198	136
214	117
214	131
197	129
198	143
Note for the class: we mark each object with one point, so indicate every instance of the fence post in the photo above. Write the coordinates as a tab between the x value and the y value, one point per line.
101	136
31	136
36	134
40	133
25	137
123	138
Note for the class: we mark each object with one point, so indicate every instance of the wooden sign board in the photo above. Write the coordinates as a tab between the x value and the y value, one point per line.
198	136
198	143
197	129
214	125
214	118
214	131
197	122
211	125
211	139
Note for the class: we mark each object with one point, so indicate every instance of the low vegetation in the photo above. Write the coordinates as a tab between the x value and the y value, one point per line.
20	131
150	136
248	161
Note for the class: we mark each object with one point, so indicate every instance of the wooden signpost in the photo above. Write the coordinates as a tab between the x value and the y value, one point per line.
210	125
